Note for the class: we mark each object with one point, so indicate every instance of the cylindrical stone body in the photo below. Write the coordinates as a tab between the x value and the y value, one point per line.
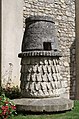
40	70
39	31
40	77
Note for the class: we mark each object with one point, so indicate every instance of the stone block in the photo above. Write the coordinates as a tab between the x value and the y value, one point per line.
64	84
43	104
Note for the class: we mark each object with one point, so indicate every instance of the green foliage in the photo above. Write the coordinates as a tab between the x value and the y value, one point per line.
7	107
0	90
11	92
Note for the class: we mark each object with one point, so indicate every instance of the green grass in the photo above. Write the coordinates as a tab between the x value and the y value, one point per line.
73	114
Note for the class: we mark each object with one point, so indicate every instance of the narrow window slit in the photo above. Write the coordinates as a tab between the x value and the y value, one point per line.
47	45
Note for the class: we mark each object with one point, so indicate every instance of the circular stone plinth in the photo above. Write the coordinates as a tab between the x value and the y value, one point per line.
43	104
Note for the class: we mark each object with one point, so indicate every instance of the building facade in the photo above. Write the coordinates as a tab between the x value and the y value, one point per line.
14	14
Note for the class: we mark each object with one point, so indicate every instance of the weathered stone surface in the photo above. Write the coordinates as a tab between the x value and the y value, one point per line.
39	53
64	10
66	64
41	77
43	104
39	30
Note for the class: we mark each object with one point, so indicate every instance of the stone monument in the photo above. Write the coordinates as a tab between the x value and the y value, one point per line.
41	82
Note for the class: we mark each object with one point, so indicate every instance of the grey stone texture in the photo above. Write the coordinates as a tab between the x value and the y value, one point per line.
77	48
39	29
42	85
40	77
63	12
43	104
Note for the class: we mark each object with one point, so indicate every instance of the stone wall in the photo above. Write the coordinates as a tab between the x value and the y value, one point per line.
63	12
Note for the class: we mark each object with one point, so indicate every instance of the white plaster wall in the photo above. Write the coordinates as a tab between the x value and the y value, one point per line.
12	32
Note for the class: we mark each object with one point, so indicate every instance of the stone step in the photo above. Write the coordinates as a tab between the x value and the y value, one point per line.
43	104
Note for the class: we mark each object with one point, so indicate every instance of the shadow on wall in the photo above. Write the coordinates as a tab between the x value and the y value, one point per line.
72	70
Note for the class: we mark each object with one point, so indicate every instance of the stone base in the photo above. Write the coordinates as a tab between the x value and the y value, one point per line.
43	104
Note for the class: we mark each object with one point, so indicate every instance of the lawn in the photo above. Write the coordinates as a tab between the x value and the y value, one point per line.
73	114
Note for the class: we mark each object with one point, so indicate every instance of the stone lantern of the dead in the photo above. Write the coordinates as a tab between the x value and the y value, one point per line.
41	82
